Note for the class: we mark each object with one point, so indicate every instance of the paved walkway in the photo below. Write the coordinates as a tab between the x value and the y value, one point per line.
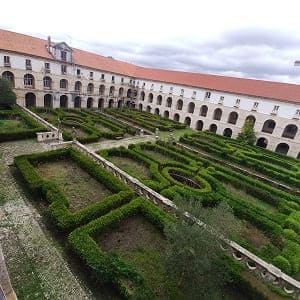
36	264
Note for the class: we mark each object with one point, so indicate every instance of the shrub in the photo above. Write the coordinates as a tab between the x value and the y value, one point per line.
282	263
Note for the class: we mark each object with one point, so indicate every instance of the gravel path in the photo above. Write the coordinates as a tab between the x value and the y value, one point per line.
36	265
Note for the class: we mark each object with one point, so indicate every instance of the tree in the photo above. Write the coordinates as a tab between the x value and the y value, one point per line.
7	96
194	258
247	134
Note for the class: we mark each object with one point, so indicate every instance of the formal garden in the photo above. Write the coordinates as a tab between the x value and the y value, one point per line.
107	242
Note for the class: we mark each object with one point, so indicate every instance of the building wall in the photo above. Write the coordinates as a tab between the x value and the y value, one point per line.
285	115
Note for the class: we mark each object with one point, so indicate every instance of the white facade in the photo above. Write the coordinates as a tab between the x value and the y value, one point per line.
47	90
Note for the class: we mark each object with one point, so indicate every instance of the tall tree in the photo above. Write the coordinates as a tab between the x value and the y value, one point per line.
247	134
194	258
7	96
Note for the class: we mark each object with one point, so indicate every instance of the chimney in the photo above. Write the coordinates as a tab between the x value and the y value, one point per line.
49	42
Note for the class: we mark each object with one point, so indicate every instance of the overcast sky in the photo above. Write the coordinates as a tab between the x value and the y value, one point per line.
253	39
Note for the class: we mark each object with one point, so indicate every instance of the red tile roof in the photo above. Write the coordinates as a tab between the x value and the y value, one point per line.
24	44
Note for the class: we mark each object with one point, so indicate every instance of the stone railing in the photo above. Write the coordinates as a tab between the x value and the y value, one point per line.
49	136
266	271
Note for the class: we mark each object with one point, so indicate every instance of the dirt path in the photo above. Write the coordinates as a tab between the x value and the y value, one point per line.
36	265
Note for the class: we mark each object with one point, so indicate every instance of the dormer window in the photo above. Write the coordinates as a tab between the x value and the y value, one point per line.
237	102
113	79
221	100
171	90
63	55
255	105
207	95
6	61
152	87
102	77
28	64
275	110
161	88
194	94
122	80
181	92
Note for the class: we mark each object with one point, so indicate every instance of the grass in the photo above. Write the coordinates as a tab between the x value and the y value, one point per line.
132	167
11	125
158	155
164	135
79	187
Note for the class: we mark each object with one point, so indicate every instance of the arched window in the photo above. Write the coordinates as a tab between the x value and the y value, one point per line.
10	77
77	102
48	100
282	148
101	89
78	86
203	111
63	101
121	92
29	80
156	111
290	131
101	103
142	96
150	97
179	104
176	117
89	103
262	142
111	103
268	126
227	132
166	114
159	100
30	100
112	91
217	114
90	88
169	102
47	81
199	125
213	128
191	107
63	84
129	93
251	118
187	121
233	117
148	108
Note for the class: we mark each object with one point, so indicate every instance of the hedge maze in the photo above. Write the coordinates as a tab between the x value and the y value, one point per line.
90	126
145	120
269	212
273	165
16	125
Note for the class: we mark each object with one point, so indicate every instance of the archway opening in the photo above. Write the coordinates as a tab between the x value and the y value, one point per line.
251	118
187	121
159	100
227	132
262	142
150	98
203	111
120	103
63	101
268	126
169	102
179	104
89	103
148	109
176	117
217	114
48	101
166	114
233	117
10	77
199	125
282	148
30	100
77	102
290	131
191	107
101	103
156	111
111	103
213	128
140	107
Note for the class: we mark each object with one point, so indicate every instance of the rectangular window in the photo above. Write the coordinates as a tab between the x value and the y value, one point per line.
207	95
78	73
237	102
113	79
152	87
255	105
63	69
171	90
63	84
91	75
102	76
298	112
275	109
194	94
221	100
28	64
144	84
6	61
122	80
161	88
63	55
181	92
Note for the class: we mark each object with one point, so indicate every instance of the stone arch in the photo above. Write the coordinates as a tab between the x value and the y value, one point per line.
251	118
269	126
187	121
63	84
262	142
176	117
78	86
121	92
179	104
227	132
166	114
217	114
48	100
213	128
111	103
150	97
199	125
156	111
169	102
63	101
10	77
191	107
77	102
233	117
282	148
29	81
112	91
89	103
203	110
148	108
159	100
90	88
30	100
101	103
140	107
290	131
102	89
142	96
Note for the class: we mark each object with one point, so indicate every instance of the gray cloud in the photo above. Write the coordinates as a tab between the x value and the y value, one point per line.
251	53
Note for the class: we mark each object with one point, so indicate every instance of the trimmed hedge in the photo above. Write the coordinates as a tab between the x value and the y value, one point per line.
106	267
58	203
